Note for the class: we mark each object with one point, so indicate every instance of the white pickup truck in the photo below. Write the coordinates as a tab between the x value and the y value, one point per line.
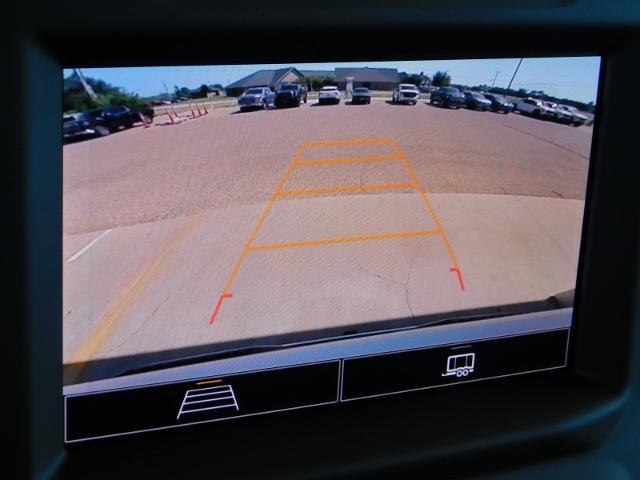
535	107
406	93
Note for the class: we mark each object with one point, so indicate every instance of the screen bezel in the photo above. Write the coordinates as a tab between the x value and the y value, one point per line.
605	376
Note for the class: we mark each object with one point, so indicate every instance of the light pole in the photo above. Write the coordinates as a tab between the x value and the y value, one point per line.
494	79
514	73
84	83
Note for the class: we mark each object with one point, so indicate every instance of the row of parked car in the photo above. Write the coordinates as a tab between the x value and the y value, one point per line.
292	95
454	98
553	111
103	121
286	95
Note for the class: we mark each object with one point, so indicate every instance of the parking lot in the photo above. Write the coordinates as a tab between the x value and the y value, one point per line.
308	219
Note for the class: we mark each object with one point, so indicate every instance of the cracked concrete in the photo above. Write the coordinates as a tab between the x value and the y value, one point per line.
141	327
405	284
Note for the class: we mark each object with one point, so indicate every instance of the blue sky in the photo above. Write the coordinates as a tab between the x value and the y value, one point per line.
574	77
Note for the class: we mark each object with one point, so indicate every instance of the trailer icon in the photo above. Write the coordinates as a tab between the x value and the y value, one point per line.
460	365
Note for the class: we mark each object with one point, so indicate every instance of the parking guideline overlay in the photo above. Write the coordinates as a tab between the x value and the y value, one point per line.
298	163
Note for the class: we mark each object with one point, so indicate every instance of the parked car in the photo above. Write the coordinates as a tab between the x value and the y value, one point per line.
559	115
329	94
83	125
103	121
290	95
589	116
571	115
535	107
499	103
446	97
406	93
257	97
361	95
476	101
552	107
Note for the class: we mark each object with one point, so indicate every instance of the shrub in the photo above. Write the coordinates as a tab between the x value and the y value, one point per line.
441	79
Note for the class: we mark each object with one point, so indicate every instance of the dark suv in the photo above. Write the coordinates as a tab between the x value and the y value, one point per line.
103	121
475	101
290	95
499	103
446	97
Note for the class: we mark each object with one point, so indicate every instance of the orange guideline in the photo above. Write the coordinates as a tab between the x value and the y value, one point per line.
298	163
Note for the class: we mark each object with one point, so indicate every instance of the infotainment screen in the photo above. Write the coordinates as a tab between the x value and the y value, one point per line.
243	239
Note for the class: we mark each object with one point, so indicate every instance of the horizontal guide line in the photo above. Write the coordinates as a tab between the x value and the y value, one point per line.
232	405
208	389
326	161
342	143
209	381
354	188
210	394
329	241
207	400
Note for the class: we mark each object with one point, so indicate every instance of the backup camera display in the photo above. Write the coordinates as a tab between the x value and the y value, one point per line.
211	210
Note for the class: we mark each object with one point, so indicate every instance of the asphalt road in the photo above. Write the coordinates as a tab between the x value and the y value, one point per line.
156	224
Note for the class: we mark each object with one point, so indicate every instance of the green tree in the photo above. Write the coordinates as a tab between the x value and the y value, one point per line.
441	79
181	92
318	82
411	78
201	92
76	99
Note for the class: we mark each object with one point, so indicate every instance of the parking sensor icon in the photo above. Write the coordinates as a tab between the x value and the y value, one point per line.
210	398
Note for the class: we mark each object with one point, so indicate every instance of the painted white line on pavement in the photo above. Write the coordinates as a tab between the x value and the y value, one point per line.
83	250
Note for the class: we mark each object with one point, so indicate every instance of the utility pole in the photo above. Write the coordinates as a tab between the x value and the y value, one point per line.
514	73
86	86
494	79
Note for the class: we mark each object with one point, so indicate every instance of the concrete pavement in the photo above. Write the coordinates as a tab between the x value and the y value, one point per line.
161	293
